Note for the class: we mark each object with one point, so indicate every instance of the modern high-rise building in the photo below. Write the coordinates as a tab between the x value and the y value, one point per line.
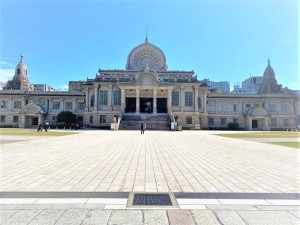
223	86
252	83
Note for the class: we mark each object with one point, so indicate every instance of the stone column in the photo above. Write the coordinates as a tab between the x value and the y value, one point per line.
63	104
181	98
87	102
292	107
109	97
22	121
266	123
50	105
204	101
249	123
96	98
75	105
23	101
196	98
169	100
123	99
155	100
11	103
137	104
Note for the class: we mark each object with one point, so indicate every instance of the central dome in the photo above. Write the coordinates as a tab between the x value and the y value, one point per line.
145	55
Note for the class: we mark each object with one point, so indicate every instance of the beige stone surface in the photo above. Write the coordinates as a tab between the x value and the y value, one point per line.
158	161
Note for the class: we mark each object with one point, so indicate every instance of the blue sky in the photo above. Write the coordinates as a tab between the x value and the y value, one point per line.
64	40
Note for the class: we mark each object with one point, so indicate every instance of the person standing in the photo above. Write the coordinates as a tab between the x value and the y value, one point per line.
143	127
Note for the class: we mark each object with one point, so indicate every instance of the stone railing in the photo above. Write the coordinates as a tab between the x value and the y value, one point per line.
171	115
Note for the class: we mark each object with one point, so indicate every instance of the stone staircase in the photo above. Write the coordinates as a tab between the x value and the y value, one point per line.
132	121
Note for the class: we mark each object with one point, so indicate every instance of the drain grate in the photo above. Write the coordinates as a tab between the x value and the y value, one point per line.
152	199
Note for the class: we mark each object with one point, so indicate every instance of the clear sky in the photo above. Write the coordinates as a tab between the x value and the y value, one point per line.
230	40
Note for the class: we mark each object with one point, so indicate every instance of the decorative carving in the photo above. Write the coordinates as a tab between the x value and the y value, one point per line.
145	54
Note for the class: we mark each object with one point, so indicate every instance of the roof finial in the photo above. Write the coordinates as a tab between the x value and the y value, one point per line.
269	61
21	60
146	39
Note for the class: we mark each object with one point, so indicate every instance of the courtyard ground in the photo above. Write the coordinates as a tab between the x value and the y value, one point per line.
179	163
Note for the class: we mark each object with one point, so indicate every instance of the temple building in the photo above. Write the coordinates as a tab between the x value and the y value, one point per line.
147	91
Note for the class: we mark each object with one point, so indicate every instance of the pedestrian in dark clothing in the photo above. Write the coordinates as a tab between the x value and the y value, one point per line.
143	127
39	128
46	127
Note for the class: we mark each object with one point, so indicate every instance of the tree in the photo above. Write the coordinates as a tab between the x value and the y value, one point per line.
66	117
233	126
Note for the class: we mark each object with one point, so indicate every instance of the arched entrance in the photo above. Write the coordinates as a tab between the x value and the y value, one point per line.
31	115
257	118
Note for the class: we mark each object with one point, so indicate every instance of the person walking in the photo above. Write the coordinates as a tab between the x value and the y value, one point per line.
39	128
143	127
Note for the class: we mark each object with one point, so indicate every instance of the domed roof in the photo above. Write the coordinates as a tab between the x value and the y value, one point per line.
146	54
21	68
269	72
269	83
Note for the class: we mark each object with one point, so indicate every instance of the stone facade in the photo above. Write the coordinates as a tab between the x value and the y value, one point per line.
146	88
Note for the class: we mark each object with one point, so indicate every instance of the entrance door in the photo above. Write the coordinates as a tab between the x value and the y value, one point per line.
162	105
146	105
130	105
254	123
35	121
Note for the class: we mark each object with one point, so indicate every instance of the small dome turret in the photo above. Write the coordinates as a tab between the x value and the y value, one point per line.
269	84
21	68
20	80
269	72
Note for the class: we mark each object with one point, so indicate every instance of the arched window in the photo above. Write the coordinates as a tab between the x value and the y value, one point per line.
92	100
18	71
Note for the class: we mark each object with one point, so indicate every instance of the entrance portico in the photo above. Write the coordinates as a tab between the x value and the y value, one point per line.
150	94
257	119
31	115
146	99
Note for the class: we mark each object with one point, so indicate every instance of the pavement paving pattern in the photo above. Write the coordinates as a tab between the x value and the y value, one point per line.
89	215
158	161
188	162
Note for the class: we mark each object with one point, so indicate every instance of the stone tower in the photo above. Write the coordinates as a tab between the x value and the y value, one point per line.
20	80
269	83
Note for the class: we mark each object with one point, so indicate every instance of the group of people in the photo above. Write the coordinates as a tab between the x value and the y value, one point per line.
40	128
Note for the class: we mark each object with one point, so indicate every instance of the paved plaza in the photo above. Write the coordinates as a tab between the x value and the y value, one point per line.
261	180
126	161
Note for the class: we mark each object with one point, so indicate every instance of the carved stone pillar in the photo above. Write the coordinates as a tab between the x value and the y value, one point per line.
155	100
87	97
137	104
169	100
204	101
109	100
181	98
249	123
96	98
50	105
266	123
75	104
196	98
123	99
63	104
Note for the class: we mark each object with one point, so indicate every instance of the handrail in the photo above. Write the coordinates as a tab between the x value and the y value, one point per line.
119	121
171	115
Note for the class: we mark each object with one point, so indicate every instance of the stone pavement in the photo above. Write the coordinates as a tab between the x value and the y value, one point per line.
159	161
88	214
